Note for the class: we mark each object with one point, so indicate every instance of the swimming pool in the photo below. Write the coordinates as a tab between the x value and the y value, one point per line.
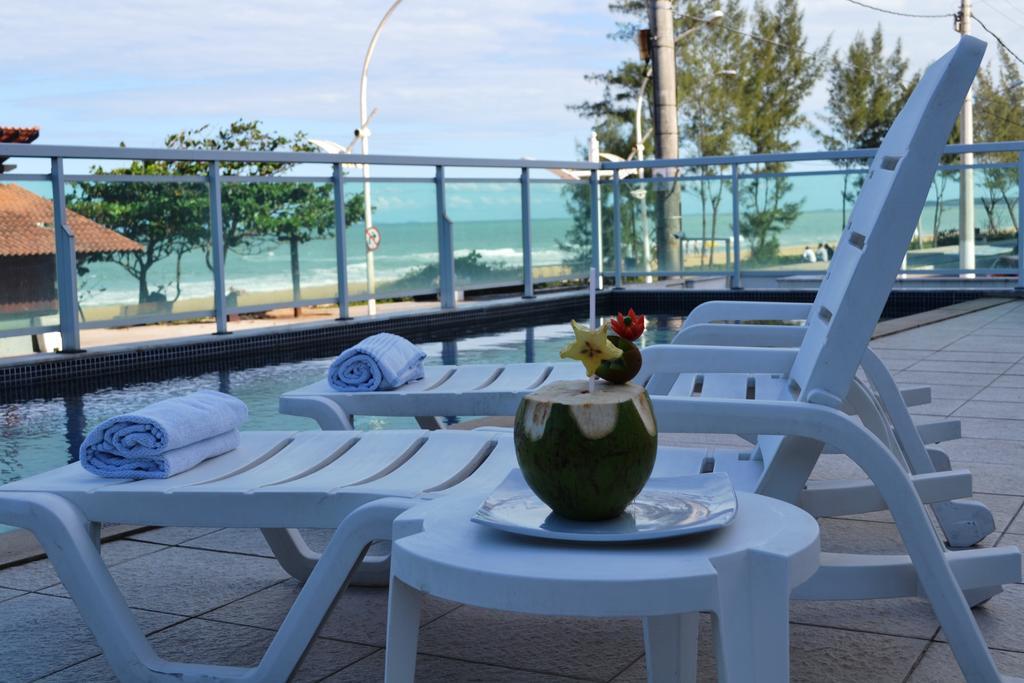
41	434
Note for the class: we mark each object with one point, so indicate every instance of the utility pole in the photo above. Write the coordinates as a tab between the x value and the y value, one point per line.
666	132
962	25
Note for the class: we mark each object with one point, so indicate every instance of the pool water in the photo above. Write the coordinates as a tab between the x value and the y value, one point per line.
39	435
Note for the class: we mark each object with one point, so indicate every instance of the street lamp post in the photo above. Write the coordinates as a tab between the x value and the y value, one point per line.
364	141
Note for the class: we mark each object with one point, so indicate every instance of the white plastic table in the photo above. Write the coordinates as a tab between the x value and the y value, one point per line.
742	574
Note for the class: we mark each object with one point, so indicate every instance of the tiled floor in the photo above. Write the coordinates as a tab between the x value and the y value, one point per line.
216	596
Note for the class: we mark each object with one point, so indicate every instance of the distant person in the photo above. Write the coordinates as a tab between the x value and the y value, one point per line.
829	250
822	253
809	256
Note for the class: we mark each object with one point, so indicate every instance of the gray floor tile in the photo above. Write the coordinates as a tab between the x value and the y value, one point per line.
172	535
1009	381
948	377
247	541
585	648
990	428
208	642
1001	619
962	366
818	655
941	407
997	409
978	342
856	536
911	617
945	390
1017	369
42	634
360	616
966	452
939	666
190	581
1003	508
7	594
1015	395
431	669
978	356
41	574
997	478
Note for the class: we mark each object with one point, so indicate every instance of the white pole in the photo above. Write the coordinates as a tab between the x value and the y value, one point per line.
364	140
593	313
640	174
967	260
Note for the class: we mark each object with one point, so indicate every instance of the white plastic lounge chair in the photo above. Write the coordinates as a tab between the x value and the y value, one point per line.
358	482
889	198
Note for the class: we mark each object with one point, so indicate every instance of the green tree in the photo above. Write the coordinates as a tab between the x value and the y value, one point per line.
778	71
866	90
707	76
999	103
171	219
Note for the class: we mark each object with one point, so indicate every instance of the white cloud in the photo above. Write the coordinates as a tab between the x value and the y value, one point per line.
452	77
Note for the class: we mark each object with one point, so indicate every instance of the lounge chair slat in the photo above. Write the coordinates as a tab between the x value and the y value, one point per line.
444	457
306	453
465	378
374	454
720	385
520	377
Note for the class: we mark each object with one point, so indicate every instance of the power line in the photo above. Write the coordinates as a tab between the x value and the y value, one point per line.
900	14
999	40
999	11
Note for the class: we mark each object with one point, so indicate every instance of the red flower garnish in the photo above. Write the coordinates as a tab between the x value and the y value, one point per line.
629	326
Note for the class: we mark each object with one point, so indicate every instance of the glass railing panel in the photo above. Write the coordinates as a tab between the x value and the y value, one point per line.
151	253
404	215
279	239
996	213
560	229
790	222
28	281
487	232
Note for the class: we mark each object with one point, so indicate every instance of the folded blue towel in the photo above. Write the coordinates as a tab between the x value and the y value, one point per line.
165	438
383	361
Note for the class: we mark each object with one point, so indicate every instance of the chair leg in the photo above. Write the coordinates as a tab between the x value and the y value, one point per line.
68	539
291	552
404	603
670	642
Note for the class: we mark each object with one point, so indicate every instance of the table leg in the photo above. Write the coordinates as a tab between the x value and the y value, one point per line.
670	642
752	622
403	633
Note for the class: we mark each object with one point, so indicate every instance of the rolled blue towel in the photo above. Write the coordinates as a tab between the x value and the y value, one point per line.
165	438
383	361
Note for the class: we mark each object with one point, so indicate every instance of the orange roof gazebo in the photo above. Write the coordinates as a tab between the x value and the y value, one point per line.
26	227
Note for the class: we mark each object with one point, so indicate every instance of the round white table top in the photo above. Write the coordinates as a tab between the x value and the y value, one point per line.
438	550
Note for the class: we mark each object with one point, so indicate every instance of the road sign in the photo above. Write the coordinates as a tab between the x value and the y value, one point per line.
372	238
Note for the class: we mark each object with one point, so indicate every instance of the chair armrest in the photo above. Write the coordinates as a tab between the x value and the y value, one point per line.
669	358
712	311
720	334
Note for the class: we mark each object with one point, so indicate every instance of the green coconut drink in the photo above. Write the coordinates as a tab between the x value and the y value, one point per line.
586	453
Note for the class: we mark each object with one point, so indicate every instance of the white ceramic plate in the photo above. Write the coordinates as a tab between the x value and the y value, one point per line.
667	507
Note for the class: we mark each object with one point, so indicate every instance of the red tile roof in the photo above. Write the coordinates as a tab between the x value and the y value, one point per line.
22	135
26	227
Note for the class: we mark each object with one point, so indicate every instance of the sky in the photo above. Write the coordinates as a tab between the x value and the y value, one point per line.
476	78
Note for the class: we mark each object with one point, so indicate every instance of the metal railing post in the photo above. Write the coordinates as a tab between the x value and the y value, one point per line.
617	226
445	246
1020	221
736	283
217	248
524	185
67	268
338	180
595	226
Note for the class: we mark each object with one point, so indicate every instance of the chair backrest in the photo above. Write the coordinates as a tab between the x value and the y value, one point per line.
871	249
